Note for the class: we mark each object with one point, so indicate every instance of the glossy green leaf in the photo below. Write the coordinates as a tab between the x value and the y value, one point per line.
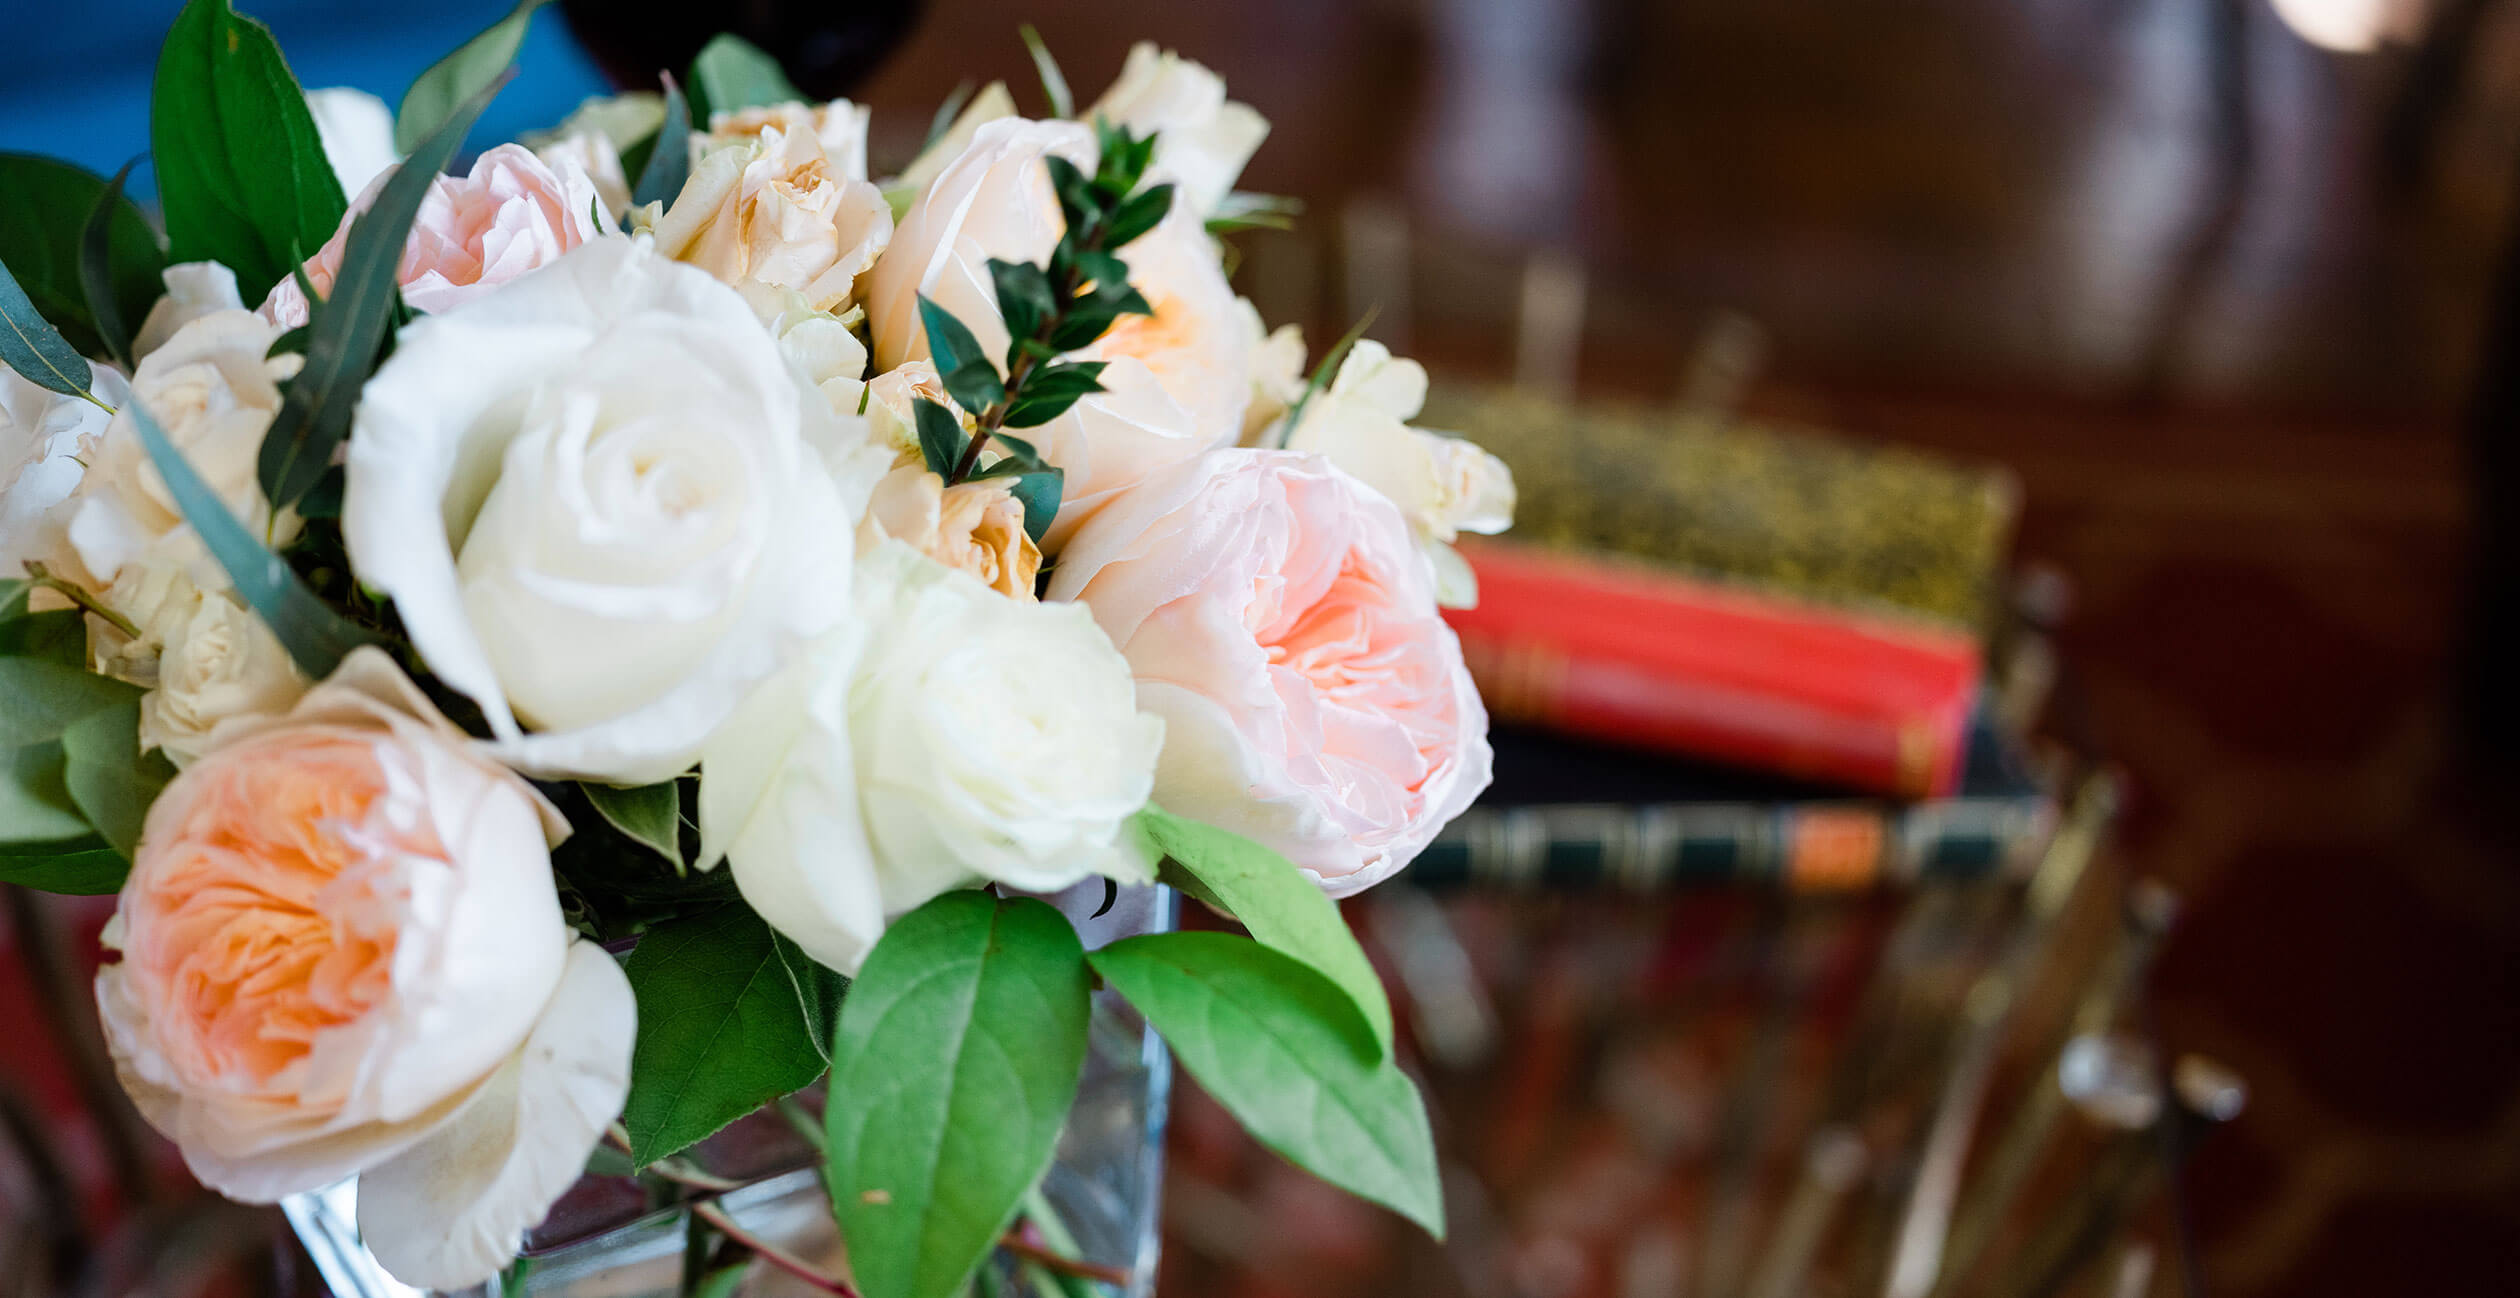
103	280
242	175
960	364
1265	1035
316	637
85	868
650	814
956	1061
1024	300
435	95
941	437
36	809
819	990
1282	906
36	350
1142	212
45	206
668	162
731	74
1054	84
39	700
1040	491
721	1031
109	777
346	328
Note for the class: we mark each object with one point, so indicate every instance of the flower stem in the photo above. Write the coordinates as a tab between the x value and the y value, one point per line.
1062	1264
77	594
771	1253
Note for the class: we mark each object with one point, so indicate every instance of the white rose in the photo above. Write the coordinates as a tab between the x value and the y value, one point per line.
599	500
951	736
776	208
214	391
357	131
1201	140
43	434
193	289
595	155
993	102
592	138
1444	486
431	1027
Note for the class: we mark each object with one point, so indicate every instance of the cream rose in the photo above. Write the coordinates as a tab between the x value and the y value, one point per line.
776	208
840	127
950	736
43	434
342	955
193	289
509	215
202	655
213	389
974	527
1201	140
1278	620
600	502
357	132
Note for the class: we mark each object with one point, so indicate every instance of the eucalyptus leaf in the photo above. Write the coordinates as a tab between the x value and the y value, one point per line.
316	637
88	867
941	437
346	328
650	814
97	281
437	94
1054	84
1282	906
731	74
946	112
45	208
721	1031
59	635
242	176
1262	1032
955	1063
110	778
39	699
36	809
35	349
668	162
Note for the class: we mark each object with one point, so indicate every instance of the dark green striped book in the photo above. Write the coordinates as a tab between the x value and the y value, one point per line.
1568	814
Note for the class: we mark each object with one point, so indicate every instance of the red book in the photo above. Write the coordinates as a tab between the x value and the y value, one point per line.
1623	652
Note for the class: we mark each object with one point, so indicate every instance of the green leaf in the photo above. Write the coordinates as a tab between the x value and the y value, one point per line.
721	1031
1049	391
59	636
1264	1034
941	437
105	291
109	777
946	112
651	814
731	73
347	327
242	176
1041	492
1077	200
1024	300
45	207
35	349
1322	374
37	812
1282	906
960	364
1053	82
1141	213
1244	210
85	868
39	700
669	159
316	637
436	95
819	989
955	1063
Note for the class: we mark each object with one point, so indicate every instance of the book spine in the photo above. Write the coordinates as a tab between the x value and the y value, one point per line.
1812	847
1595	647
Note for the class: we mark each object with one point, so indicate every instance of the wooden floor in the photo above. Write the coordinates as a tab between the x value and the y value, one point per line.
2228	365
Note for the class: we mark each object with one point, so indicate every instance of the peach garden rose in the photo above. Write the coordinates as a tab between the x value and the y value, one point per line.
1277	617
342	954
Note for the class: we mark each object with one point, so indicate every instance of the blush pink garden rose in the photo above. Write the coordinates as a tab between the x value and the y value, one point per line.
1277	617
512	213
342	954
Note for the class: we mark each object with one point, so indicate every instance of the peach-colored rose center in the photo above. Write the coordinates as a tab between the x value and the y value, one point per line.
258	926
1382	705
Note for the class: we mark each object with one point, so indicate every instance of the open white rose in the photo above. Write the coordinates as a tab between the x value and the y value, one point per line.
342	954
951	736
213	389
774	207
42	436
599	500
1201	139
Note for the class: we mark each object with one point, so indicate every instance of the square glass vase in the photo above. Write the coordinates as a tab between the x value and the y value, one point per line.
621	1237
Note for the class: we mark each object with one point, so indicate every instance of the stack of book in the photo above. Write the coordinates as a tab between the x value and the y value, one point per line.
1721	650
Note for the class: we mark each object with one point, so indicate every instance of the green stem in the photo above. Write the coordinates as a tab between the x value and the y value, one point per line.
77	594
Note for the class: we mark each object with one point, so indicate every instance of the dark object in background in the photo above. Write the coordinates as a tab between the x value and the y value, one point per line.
827	49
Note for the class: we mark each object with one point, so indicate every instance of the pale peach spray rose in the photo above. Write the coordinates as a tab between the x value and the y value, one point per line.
342	954
775	207
513	212
1277	617
975	527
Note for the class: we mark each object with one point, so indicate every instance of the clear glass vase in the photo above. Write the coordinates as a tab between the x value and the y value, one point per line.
621	1237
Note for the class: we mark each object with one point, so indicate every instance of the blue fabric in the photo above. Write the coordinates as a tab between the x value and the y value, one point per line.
74	78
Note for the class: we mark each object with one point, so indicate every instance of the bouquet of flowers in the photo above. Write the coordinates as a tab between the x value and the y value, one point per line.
581	648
